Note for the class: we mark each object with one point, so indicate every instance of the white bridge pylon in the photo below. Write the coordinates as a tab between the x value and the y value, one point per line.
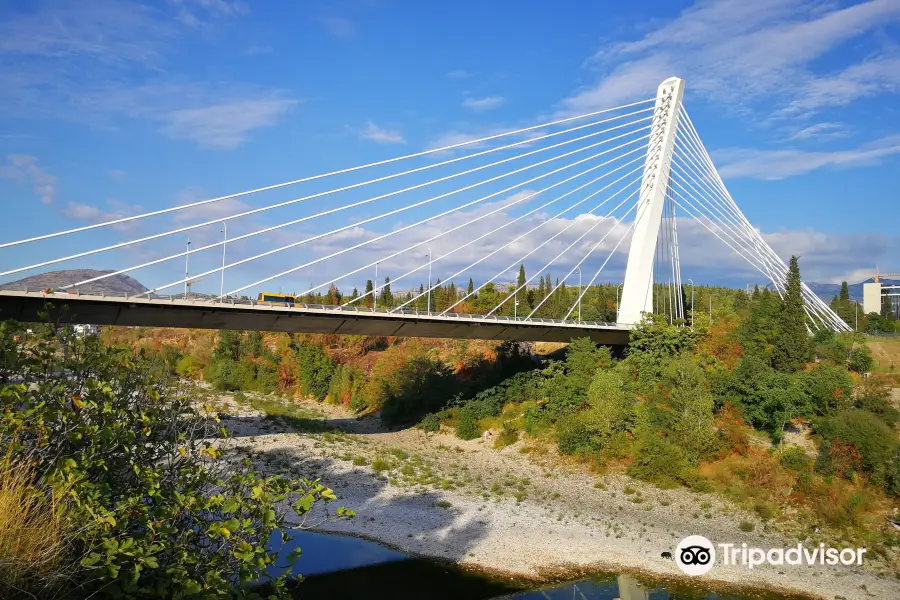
586	184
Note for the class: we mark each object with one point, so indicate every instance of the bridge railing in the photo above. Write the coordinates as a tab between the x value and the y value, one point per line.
244	301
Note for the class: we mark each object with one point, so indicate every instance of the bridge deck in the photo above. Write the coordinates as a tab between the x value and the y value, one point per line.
300	318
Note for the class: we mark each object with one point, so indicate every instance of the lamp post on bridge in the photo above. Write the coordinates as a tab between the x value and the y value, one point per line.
579	293
375	290
187	255
224	242
429	280
692	303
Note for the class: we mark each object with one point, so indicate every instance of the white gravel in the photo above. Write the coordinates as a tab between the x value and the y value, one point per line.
561	525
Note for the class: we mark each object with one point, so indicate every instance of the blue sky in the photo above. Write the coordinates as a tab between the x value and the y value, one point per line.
111	108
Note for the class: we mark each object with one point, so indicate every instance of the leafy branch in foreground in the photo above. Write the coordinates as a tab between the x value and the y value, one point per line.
145	500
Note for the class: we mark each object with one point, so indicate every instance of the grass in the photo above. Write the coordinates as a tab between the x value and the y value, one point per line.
380	465
443	504
33	529
747	526
287	413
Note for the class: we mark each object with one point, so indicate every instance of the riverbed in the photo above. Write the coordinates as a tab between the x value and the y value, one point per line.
519	514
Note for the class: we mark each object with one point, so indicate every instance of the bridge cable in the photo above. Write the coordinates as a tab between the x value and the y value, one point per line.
305	198
343	171
396	231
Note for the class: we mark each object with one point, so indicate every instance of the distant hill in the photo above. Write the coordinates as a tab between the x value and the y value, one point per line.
116	285
827	291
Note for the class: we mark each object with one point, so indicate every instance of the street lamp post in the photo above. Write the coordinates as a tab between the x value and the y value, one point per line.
187	255
429	280
579	293
692	303
375	290
857	316
224	242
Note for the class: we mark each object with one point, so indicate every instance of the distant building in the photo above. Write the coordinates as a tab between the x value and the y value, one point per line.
83	330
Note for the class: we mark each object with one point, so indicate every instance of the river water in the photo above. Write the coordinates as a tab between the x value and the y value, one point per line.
343	567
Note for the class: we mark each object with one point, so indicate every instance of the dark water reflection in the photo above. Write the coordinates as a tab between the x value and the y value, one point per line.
336	566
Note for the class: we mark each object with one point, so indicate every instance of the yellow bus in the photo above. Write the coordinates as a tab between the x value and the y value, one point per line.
276	299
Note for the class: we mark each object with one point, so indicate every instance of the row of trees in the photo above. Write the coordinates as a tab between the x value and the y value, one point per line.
684	396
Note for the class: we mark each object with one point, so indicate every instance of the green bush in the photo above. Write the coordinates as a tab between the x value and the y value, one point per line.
861	359
795	458
856	441
314	369
661	462
829	388
156	512
466	427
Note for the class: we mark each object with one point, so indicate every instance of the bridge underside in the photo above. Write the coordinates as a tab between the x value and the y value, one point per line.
141	312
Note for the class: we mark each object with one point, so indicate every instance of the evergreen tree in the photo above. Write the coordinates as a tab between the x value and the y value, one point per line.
791	349
541	290
520	282
420	301
385	298
845	292
369	296
355	294
471	289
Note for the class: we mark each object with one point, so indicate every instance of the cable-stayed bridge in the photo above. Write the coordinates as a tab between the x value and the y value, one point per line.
587	195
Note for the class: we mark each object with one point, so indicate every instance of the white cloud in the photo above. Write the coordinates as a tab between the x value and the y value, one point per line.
23	169
339	27
483	104
93	214
737	53
224	125
381	135
779	164
459	74
98	62
820	131
117	174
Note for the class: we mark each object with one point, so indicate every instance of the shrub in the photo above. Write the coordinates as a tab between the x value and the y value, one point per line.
314	369
829	388
159	513
466	427
861	359
795	458
661	462
508	436
856	441
747	526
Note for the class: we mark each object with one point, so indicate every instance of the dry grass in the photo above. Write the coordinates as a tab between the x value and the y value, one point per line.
33	531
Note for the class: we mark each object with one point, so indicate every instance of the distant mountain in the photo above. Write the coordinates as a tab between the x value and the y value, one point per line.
827	291
117	285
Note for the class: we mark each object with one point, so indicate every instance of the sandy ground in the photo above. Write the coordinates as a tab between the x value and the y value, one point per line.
519	512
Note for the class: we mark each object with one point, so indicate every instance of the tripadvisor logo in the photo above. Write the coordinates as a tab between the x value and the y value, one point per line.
696	555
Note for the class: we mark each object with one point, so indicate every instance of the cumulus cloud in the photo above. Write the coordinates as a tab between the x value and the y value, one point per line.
24	169
483	104
381	135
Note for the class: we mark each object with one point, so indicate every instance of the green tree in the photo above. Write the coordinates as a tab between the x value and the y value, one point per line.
368	293
154	509
791	349
692	405
471	289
